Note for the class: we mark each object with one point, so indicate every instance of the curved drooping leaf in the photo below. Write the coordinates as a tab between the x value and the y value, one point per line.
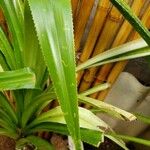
36	142
87	119
92	137
117	140
39	143
53	22
127	12
18	79
112	110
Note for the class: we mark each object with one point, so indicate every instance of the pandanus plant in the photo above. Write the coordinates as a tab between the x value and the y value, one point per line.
37	66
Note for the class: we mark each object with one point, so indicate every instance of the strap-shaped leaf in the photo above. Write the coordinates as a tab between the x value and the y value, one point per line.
118	141
87	119
143	118
95	89
89	136
114	52
3	63
6	50
8	133
32	54
53	22
5	105
36	104
5	116
127	56
130	138
16	28
7	126
126	11
18	79
19	8
112	110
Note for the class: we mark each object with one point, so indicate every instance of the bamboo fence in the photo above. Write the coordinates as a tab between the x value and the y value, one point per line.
108	29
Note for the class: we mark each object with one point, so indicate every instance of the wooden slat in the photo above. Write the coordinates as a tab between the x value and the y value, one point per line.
74	7
81	21
117	69
105	40
121	38
100	17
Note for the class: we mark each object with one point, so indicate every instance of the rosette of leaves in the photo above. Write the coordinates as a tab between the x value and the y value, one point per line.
40	49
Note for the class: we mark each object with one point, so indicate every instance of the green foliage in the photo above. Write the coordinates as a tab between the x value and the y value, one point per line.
38	143
40	49
126	11
58	51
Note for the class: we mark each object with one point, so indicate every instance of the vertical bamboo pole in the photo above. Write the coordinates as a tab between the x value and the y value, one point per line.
117	69
108	34
81	21
121	38
100	17
74	7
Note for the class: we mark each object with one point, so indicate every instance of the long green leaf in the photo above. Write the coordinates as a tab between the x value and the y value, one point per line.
120	50
127	56
126	11
6	50
16	28
32	54
5	117
133	139
19	8
112	110
87	119
145	119
3	63
18	79
89	136
36	104
53	22
95	89
5	105
117	140
8	133
7	126
18	97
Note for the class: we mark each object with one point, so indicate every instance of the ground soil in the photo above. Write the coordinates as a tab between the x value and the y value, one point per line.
6	143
